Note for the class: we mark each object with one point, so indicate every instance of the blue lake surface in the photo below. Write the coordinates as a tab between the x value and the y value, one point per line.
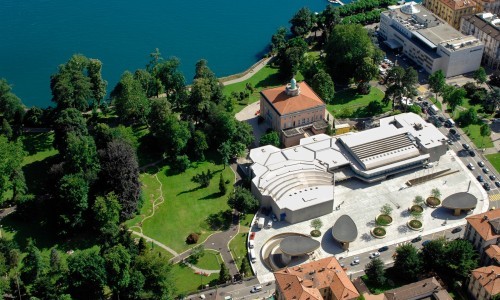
39	35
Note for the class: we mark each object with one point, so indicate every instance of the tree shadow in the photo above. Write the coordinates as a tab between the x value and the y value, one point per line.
190	191
211	196
271	80
36	174
37	142
403	228
366	237
371	223
221	220
405	213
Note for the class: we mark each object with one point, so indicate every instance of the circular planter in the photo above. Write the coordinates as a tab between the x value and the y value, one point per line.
383	220
432	202
315	233
415	225
378	232
416	209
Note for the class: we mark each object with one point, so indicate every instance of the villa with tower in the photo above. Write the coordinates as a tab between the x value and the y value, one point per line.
295	111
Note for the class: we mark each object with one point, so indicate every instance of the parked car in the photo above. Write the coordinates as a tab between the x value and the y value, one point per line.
486	170
426	242
480	178
456	230
441	119
486	186
493	177
275	219
480	163
472	153
256	288
417	239
453	131
425	103
355	261
450	142
497	183
385	248
466	147
374	254
470	166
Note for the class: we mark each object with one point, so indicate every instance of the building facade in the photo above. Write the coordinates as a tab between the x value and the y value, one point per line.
428	41
491	6
484	283
483	230
317	280
426	289
293	111
486	28
451	10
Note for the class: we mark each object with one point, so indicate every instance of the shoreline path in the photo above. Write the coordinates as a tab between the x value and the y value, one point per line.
218	241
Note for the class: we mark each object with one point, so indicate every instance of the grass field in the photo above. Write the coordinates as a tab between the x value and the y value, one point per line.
349	100
186	280
186	205
494	160
265	78
238	244
38	146
211	260
473	132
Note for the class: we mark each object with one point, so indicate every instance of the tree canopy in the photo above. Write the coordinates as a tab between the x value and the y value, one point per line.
243	201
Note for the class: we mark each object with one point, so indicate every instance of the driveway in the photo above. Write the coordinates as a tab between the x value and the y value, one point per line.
249	114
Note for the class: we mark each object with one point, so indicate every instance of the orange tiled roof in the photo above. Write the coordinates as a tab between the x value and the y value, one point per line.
489	278
458	4
493	252
305	281
285	104
483	226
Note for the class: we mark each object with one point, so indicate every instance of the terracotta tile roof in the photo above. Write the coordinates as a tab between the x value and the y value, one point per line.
489	278
305	281
493	251
458	4
485	226
285	104
419	290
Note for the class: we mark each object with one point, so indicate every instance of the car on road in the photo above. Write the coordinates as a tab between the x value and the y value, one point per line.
275	219
486	170
493	177
426	242
355	261
486	186
456	230
480	163
472	153
453	131
480	178
450	142
374	254
441	119
256	288
497	183
470	166
417	239
466	147
385	248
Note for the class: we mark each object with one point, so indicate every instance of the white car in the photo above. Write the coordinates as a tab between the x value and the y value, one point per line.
470	166
374	254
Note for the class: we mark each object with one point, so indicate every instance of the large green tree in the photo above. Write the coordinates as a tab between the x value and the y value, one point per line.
433	255
302	22
407	263
375	271
271	138
480	76
68	121
71	87
98	84
243	201
291	57
117	263
484	130
492	101
80	156
454	96
86	274
11	107
401	83
278	41
11	158
323	85
106	215
224	275
158	278
173	82
32	264
131	102
72	202
437	81
461	259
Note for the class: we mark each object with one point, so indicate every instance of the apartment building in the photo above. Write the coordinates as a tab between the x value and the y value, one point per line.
485	27
451	10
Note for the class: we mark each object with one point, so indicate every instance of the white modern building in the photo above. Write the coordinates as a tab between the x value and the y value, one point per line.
428	41
298	183
486	28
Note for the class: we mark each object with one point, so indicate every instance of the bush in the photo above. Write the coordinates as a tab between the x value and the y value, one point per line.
192	238
181	163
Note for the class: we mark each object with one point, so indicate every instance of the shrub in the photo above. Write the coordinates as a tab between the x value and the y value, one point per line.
436	193
192	238
419	200
386	209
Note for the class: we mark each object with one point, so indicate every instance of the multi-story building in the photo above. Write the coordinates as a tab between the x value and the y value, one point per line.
484	283
483	230
427	289
451	10
485	27
431	43
294	111
492	6
492	255
317	280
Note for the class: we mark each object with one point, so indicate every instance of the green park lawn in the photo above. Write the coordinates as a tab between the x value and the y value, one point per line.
210	260
350	101
186	205
494	160
186	280
238	244
473	132
266	77
38	146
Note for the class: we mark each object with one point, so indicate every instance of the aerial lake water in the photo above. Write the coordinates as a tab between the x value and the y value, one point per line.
38	35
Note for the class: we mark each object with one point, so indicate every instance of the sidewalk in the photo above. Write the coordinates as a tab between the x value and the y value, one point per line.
249	73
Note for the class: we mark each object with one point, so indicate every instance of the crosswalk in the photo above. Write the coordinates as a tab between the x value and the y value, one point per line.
495	197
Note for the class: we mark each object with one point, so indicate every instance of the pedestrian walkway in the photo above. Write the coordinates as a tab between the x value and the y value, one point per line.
249	73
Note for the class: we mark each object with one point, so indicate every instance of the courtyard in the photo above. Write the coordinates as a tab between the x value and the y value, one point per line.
362	202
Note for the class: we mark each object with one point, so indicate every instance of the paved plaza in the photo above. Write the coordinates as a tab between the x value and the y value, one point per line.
362	202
